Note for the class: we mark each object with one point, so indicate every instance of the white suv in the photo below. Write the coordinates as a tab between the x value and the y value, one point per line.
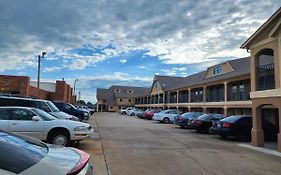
125	111
43	126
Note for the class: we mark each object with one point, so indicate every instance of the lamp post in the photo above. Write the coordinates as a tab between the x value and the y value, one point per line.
75	81
39	64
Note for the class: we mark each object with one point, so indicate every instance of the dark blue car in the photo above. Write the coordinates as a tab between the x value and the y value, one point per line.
184	119
239	126
71	110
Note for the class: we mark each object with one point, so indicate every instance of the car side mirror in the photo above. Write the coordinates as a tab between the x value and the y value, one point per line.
36	118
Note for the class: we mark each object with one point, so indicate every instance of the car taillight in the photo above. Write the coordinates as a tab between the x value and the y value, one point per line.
181	119
227	125
81	164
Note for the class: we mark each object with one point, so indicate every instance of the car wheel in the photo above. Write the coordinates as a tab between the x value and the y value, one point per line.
123	113
59	138
223	137
166	120
210	131
132	114
182	127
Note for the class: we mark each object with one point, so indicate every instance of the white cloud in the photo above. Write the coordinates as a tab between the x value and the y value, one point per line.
179	32
123	61
51	69
141	67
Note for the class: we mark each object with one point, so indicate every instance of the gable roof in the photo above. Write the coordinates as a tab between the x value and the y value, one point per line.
167	82
106	94
240	67
270	26
137	91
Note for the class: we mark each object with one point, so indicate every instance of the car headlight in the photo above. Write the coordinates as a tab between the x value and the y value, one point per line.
81	128
85	114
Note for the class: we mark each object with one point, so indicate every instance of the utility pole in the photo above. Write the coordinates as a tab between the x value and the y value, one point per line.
75	81
79	96
39	65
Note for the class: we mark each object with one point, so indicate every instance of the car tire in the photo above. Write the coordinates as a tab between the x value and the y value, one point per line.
59	138
133	114
210	131
223	137
182	127
166	120
123	113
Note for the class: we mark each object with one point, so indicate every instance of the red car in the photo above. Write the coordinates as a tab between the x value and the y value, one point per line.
149	114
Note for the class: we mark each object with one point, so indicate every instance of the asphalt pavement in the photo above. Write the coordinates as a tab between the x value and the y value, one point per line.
126	145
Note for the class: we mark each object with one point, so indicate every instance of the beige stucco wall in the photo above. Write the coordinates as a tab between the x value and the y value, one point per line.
254	51
155	90
125	102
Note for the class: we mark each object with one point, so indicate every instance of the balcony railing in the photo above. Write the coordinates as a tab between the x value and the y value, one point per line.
265	77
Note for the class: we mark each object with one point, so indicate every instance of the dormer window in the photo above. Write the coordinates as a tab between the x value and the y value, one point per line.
117	90
129	91
217	70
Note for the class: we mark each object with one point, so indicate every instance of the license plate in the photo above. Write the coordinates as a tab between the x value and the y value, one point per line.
219	125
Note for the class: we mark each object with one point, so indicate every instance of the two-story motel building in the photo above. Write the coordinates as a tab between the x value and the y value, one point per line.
242	86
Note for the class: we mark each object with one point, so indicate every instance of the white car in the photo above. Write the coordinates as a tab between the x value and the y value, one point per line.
126	110
134	112
43	126
166	116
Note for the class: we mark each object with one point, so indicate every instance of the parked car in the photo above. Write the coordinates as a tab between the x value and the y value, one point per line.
141	114
240	126
134	112
149	114
166	116
44	105
126	110
204	122
86	108
183	119
37	123
23	155
72	110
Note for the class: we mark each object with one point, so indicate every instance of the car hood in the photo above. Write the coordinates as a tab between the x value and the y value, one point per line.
61	115
59	160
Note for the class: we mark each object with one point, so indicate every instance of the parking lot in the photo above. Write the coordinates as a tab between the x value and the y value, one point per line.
129	145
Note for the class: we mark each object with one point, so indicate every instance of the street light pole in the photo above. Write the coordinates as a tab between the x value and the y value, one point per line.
39	66
75	81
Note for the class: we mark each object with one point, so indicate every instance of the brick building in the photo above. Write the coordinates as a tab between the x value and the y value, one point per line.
23	87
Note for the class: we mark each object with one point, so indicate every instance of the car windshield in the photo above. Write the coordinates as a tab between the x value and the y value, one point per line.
188	115
46	116
53	107
19	153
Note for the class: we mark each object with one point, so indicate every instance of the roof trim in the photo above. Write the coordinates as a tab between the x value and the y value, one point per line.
245	45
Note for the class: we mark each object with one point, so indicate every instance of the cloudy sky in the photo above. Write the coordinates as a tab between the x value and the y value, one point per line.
126	42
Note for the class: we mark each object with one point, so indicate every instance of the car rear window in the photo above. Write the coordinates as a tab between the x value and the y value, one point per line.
231	119
205	117
18	153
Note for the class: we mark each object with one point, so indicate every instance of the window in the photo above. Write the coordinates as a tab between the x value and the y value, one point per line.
242	92
120	99
22	114
103	101
217	70
20	153
4	114
130	100
234	92
43	106
129	91
117	90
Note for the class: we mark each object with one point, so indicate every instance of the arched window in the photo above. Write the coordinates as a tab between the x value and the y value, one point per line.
265	77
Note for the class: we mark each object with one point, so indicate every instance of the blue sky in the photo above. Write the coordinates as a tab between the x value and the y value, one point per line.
123	42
